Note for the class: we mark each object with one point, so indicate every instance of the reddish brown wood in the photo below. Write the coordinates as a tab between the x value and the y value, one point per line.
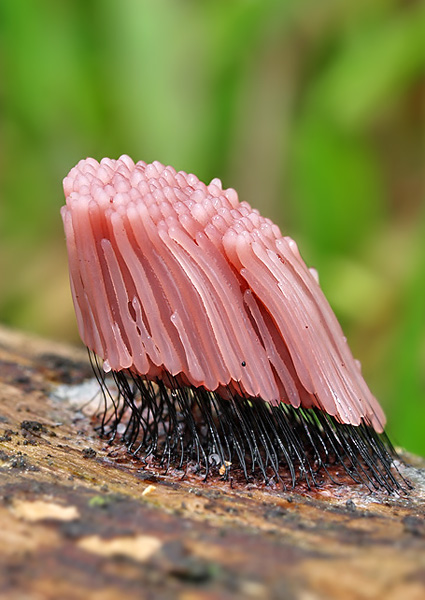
79	519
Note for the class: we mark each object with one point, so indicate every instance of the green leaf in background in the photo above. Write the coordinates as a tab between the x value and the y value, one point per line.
337	186
375	65
408	358
312	110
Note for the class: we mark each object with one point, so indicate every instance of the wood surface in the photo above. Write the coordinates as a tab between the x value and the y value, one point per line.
79	519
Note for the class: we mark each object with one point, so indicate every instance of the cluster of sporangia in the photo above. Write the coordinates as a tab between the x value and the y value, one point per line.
224	351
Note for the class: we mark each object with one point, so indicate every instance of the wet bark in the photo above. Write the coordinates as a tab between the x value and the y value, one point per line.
80	519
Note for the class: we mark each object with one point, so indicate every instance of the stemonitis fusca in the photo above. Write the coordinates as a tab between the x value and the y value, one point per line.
225	355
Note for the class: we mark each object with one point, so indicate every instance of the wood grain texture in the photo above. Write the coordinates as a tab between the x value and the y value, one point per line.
79	519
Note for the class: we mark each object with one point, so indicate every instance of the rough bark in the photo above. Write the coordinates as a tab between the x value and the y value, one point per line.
80	519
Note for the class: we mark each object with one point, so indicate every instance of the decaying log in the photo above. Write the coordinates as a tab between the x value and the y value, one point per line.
79	519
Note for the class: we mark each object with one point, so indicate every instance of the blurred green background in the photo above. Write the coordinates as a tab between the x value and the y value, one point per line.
313	111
